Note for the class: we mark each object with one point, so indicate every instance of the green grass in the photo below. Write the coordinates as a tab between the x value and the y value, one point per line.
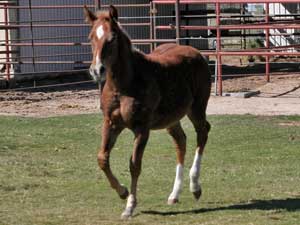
49	173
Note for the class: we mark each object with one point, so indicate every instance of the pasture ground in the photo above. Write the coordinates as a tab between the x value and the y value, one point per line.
49	174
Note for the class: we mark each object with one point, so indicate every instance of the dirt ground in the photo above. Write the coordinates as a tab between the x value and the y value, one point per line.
279	97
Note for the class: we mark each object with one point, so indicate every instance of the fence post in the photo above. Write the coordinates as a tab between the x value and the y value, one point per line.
218	49
154	23
151	25
267	19
216	77
97	4
7	65
32	39
177	14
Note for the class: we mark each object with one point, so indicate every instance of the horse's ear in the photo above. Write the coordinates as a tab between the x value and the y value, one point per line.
90	17
113	13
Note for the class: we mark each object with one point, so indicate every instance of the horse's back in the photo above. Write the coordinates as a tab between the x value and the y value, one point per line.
170	54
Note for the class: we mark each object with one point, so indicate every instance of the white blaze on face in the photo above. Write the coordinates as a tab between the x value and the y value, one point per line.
98	62
95	68
100	32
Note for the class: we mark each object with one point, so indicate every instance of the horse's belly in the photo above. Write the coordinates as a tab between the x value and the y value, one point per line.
163	122
170	113
175	102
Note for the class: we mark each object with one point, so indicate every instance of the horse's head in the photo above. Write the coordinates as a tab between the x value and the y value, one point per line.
104	30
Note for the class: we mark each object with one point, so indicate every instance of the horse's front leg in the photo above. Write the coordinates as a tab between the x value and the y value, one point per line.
110	132
141	138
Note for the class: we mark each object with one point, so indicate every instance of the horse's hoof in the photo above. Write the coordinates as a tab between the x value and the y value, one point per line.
197	194
172	201
125	194
127	214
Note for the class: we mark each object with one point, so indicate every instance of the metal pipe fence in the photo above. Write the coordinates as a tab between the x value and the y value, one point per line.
31	52
265	24
70	51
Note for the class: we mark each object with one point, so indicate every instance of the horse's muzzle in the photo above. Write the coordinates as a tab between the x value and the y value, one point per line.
97	74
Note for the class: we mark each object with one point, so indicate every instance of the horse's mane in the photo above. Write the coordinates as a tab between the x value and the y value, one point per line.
125	36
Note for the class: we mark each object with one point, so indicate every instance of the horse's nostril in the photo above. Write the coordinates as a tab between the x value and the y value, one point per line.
102	70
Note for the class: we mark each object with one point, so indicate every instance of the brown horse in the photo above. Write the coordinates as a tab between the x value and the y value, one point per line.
145	92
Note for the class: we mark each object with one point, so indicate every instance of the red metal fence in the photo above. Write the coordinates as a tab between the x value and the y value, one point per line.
149	20
266	25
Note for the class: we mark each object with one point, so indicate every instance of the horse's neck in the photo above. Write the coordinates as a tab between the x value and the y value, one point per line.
121	74
121	70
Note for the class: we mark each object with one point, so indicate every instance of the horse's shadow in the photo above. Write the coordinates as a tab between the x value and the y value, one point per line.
288	204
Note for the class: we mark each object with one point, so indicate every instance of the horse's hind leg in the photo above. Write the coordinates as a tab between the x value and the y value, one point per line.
109	136
202	128
179	139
